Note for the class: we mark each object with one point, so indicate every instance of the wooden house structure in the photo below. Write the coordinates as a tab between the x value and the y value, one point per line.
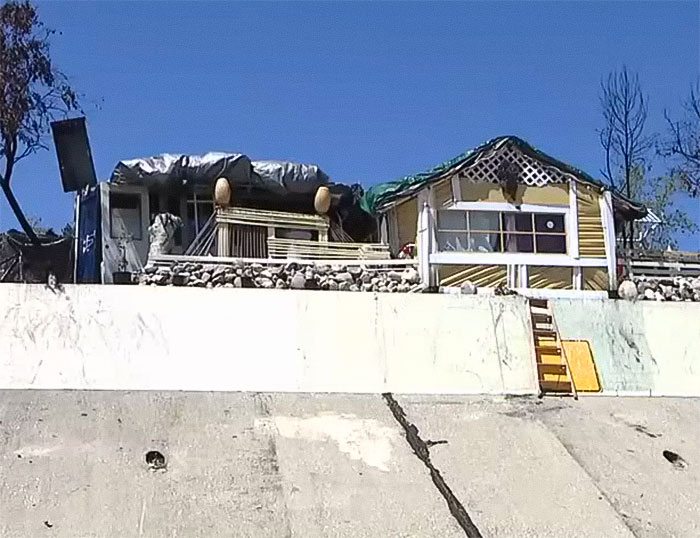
506	214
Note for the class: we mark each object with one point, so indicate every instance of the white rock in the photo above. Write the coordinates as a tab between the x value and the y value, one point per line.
355	270
394	275
344	277
298	282
467	288
627	290
410	275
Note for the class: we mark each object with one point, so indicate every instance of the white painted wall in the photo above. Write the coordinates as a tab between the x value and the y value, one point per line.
640	348
148	338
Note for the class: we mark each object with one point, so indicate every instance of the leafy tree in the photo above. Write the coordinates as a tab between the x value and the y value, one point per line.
659	194
32	93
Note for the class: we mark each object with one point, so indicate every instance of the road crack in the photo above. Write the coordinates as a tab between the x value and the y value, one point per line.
421	449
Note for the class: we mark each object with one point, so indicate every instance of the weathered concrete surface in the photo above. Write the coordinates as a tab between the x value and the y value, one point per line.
559	467
639	347
237	465
243	464
159	338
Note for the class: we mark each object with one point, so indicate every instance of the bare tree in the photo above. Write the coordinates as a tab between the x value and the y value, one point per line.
622	136
32	93
682	143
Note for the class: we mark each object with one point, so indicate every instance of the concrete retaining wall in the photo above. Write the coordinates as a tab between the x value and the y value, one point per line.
147	338
646	347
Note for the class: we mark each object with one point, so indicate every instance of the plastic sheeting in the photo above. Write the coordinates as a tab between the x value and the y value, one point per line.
291	177
278	177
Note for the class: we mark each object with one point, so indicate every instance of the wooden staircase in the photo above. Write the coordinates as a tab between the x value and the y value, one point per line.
553	371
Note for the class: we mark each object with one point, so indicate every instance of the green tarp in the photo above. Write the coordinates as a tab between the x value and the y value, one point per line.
380	195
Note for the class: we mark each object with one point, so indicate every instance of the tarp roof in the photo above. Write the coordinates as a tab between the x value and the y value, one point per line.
277	177
382	195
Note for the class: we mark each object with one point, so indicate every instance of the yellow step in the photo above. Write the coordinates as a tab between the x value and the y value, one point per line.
554	369
539	303
549	350
537	317
555	386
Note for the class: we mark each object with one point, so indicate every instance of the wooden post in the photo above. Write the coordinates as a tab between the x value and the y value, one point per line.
223	237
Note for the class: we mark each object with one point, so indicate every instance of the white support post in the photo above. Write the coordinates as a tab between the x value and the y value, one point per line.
523	277
572	232
456	188
76	233
607	217
432	230
578	278
424	244
383	231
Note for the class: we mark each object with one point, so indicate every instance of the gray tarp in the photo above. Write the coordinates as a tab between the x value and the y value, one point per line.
275	176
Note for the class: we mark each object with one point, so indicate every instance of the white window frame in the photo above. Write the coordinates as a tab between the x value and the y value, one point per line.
509	257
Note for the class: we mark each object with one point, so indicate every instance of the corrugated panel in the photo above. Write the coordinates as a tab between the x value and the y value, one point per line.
443	193
595	278
551	278
591	238
490	192
407	220
482	276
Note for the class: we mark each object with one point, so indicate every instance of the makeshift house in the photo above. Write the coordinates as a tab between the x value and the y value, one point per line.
272	209
505	214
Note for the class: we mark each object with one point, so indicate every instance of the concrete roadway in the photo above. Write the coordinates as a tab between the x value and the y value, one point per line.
72	464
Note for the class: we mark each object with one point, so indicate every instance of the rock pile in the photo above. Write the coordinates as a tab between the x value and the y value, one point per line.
661	289
282	276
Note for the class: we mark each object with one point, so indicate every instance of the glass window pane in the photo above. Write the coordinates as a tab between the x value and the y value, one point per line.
452	220
485	242
452	241
517	222
549	223
552	244
484	221
523	222
519	243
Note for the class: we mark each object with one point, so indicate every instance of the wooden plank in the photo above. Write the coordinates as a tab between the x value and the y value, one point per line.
556	386
553	369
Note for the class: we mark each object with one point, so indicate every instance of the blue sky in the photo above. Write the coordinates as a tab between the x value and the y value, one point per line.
368	91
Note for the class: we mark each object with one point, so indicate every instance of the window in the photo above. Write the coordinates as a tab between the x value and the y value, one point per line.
199	209
125	216
493	231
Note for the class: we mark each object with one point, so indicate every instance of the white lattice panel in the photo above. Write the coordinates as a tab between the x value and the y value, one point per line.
533	173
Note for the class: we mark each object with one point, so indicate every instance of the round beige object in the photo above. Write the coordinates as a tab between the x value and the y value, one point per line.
222	192
322	200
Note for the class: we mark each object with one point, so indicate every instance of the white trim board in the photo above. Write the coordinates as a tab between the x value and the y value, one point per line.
502	258
503	206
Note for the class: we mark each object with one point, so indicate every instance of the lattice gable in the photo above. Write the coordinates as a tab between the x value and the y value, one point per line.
531	170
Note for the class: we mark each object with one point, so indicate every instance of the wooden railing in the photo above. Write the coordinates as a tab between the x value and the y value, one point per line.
303	249
661	264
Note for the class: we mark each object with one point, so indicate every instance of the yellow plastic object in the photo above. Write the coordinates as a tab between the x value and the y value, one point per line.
582	365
